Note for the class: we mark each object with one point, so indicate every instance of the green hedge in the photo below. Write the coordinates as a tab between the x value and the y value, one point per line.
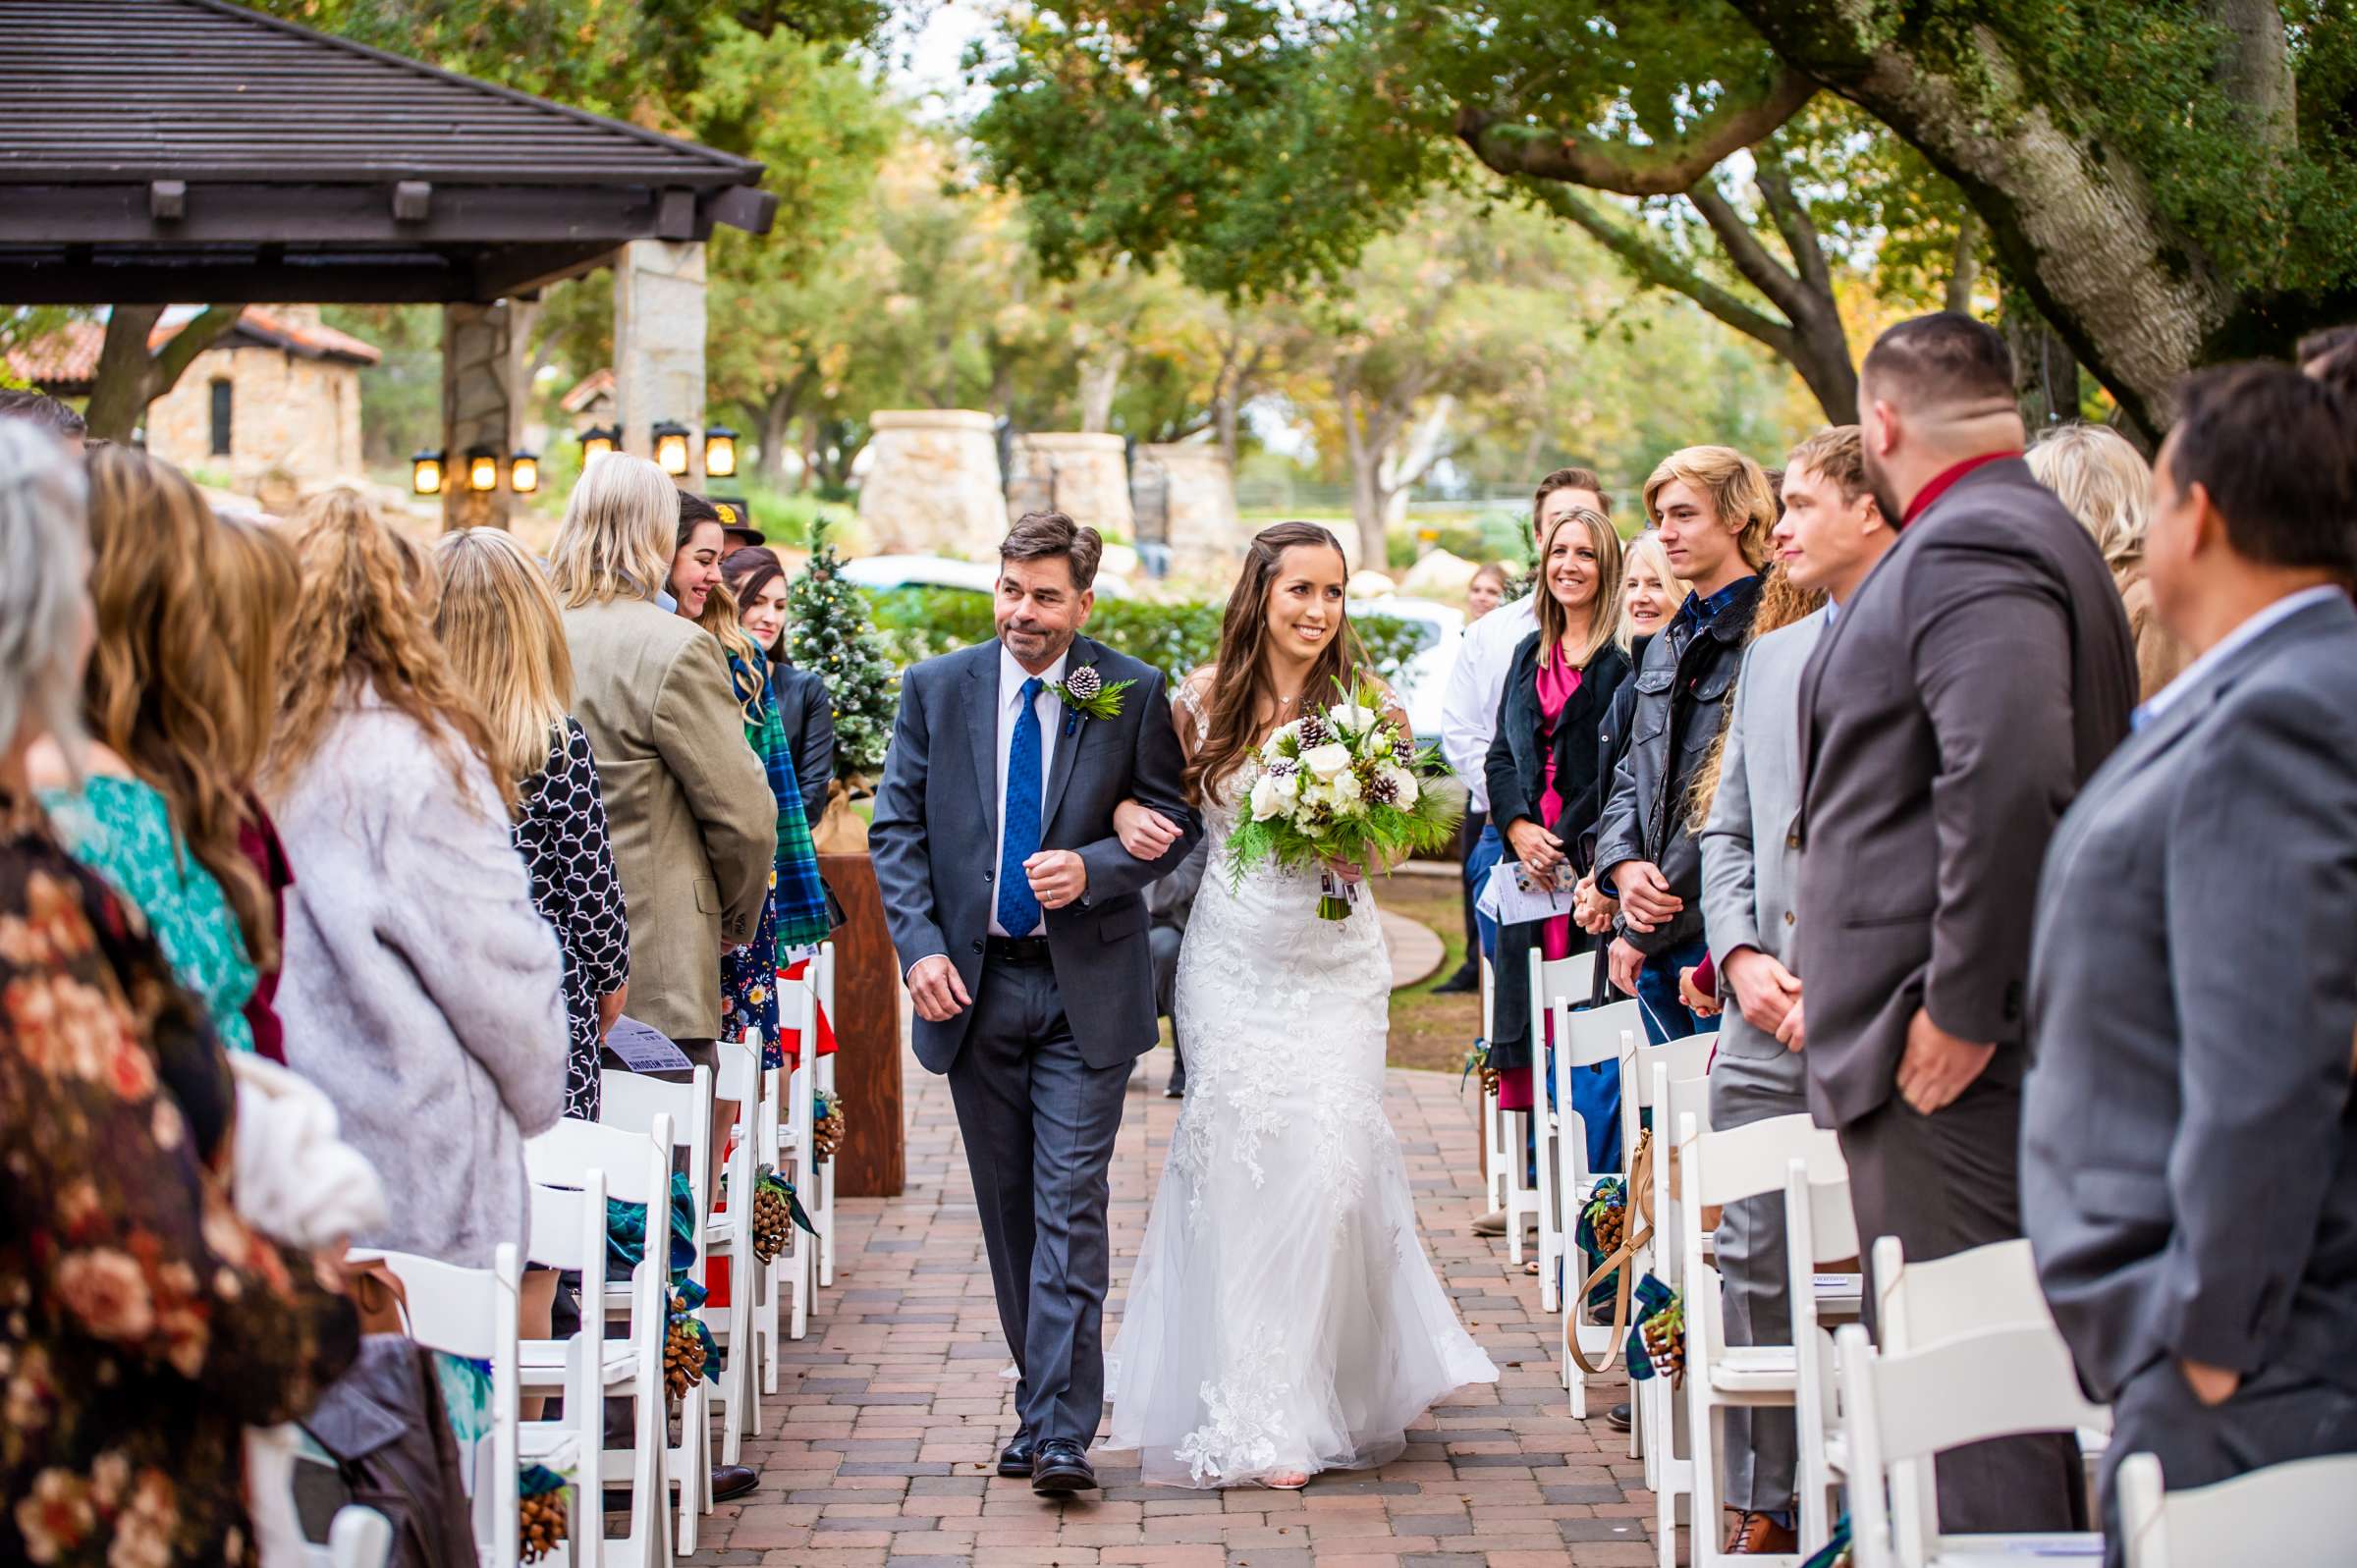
1175	638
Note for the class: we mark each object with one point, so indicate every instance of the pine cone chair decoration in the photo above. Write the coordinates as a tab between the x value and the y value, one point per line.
541	1525
826	1127
772	1218
1666	1341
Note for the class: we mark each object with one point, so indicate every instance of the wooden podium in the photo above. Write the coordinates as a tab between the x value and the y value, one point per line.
873	1161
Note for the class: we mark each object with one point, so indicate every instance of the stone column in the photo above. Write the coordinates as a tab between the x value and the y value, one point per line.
1205	537
1089	474
482	405
932	484
659	345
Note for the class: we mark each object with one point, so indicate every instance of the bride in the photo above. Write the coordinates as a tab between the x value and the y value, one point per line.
1283	1318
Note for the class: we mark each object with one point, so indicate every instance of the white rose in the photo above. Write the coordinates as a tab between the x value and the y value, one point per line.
1345	789
1405	783
1265	801
1326	760
1288	787
1352	716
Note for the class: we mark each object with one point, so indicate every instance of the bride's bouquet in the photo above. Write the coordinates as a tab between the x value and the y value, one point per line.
1343	785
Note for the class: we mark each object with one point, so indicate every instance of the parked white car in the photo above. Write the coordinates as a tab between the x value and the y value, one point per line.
1424	679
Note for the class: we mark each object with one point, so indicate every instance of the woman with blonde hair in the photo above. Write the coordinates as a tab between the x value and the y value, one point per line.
1546	772
2108	487
256	600
168	707
423	993
499	623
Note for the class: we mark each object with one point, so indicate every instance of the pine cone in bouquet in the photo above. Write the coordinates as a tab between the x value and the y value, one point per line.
826	1127
683	1357
772	1216
1666	1341
1314	730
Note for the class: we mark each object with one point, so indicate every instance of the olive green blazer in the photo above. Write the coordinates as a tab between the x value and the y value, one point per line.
688	804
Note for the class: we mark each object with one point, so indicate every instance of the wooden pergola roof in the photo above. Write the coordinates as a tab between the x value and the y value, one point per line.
157	150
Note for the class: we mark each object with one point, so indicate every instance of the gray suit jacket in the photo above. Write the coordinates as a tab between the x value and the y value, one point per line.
935	842
2189	1141
1951	712
1748	856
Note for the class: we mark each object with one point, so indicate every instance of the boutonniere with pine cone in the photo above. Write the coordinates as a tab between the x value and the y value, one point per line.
1085	694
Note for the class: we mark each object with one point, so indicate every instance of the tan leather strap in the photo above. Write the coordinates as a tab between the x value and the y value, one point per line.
1636	1230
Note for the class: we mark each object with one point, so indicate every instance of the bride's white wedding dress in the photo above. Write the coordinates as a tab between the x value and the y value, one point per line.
1282	1318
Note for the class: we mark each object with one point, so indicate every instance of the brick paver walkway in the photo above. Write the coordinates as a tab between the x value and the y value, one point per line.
890	1414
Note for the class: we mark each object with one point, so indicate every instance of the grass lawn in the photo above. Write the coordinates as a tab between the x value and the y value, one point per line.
1429	1030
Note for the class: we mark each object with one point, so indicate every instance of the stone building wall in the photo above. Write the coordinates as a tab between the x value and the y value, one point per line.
297	417
1086	473
1199	522
932	484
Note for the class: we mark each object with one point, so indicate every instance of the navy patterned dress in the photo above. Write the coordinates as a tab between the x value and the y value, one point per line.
562	836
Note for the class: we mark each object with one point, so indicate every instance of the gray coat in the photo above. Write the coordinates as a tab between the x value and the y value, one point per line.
422	992
1951	712
2189	1139
1748	856
935	842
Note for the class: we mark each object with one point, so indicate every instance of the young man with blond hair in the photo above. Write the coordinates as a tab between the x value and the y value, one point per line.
1713	511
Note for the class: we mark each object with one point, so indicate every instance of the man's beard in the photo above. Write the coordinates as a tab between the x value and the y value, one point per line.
1878	480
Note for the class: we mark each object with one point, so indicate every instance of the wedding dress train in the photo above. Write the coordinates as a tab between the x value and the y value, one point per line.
1282	1318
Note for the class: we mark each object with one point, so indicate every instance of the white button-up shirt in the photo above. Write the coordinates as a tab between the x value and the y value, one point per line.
1011	676
1476	686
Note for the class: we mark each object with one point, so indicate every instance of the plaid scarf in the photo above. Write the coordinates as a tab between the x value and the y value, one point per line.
797	896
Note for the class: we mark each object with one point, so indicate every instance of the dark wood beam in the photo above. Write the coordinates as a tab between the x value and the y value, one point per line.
417	277
250	214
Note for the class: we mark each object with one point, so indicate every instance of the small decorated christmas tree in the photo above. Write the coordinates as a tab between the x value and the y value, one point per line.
832	638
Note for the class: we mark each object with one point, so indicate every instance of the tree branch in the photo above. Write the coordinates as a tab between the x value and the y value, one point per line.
1512	147
1751	258
1654	265
1791	218
189	342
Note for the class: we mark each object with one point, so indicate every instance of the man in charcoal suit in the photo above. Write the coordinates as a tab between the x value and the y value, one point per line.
2189	1139
1021	929
1953	708
1170	900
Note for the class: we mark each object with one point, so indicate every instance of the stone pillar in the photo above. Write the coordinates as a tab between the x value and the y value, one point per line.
932	484
659	345
482	405
1088	473
1205	537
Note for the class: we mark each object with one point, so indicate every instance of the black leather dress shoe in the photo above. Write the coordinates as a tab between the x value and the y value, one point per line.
1016	1458
1059	1466
1618	1417
730	1482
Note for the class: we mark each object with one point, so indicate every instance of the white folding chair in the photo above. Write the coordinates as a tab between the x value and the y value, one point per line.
1680	1062
1497	1173
586	1162
471	1313
729	1236
822	1214
569	1232
2302	1514
1677	1104
1556	985
788	1147
1792	1160
1587	1040
1909	1405
1921	1304
634	1101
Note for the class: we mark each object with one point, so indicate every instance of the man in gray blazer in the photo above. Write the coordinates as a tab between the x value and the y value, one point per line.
2189	1139
1951	710
1021	929
1830	536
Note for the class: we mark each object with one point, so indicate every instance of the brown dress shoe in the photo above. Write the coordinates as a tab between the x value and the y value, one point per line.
1757	1532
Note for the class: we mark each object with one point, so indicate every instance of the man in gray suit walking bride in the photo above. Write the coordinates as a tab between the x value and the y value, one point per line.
1021	928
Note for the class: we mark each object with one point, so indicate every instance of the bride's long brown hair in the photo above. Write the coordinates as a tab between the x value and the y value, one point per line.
1244	691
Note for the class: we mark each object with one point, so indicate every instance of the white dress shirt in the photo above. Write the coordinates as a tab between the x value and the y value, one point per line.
1476	686
1049	709
2283	609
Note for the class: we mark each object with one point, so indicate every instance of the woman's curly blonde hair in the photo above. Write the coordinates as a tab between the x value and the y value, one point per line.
166	688
365	612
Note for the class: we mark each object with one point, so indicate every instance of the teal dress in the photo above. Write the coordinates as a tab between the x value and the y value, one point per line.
122	828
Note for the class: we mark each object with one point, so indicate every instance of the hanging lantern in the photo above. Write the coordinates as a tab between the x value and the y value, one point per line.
482	468
425	473
524	472
670	448
720	451
596	442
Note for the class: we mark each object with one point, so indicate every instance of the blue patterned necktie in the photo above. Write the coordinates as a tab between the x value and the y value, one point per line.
1019	907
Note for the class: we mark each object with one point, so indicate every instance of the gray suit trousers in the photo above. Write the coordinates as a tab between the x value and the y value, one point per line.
1762	1445
2279	1415
1944	1184
1039	1123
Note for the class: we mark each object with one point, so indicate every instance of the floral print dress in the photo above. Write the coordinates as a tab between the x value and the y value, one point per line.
142	1325
562	836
